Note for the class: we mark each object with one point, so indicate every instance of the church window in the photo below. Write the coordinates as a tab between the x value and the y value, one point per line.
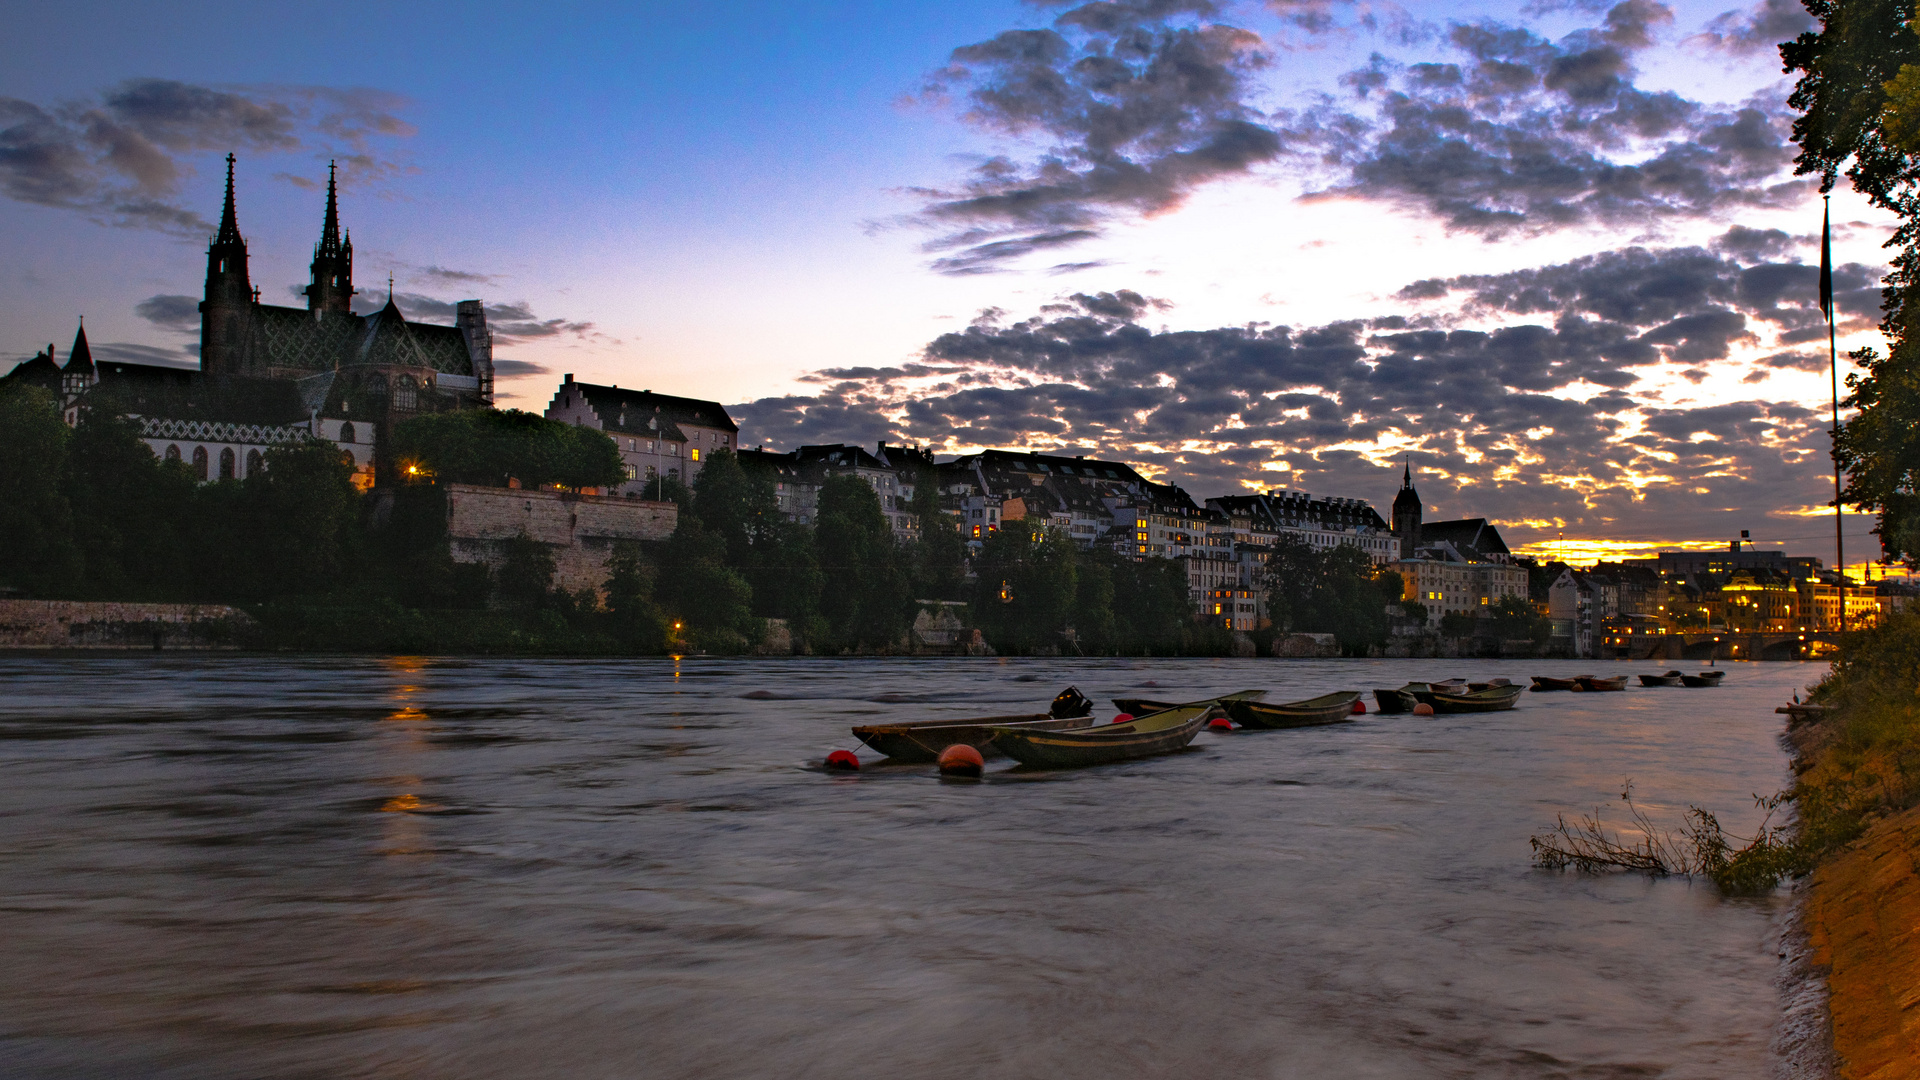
173	452
200	462
405	396
226	463
254	462
347	433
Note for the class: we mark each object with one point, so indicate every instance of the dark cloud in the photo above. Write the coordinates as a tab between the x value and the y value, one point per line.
1139	103
515	369
171	312
1524	134
1758	29
457	277
127	353
1503	419
121	158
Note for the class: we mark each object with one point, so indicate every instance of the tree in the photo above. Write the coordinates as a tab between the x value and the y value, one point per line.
1415	610
632	616
489	447
865	598
1512	618
1294	569
711	603
526	573
135	517
1457	624
304	522
1026	594
1859	99
36	527
940	555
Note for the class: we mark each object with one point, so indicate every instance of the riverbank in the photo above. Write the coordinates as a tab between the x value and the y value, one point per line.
1857	795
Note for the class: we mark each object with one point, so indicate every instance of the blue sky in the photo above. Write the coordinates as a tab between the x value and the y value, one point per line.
783	207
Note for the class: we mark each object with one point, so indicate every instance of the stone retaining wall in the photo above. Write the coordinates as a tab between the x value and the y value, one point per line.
581	529
72	624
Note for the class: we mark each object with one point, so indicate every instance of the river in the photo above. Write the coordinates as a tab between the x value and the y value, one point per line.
360	867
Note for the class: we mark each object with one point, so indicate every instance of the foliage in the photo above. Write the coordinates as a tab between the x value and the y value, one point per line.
696	590
1880	447
1337	591
1026	595
1458	624
633	618
1512	618
866	597
1415	610
36	531
490	447
940	555
1699	848
526	573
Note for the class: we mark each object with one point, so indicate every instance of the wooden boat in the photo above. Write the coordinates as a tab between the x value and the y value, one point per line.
1157	733
1325	709
1595	684
921	741
1801	711
1671	678
1142	706
1392	701
1492	699
1543	683
1489	684
1705	678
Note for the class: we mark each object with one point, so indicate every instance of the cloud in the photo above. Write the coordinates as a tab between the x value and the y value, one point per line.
125	352
457	277
517	369
1138	103
171	312
121	158
1758	29
1517	133
1522	400
511	322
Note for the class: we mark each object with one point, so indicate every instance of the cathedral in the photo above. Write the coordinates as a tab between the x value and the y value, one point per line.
271	375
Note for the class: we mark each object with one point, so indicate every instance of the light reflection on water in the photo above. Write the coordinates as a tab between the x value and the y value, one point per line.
508	868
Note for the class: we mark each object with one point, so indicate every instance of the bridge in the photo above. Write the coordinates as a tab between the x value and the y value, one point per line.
1720	645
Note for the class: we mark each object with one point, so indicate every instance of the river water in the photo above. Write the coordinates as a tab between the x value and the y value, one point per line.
353	867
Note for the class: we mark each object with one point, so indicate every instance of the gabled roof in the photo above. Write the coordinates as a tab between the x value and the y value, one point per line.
40	371
80	360
629	411
1476	533
1292	509
840	455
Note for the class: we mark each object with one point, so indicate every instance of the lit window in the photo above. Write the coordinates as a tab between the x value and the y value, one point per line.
694	453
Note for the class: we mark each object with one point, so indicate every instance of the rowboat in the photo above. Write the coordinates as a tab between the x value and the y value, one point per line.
1392	701
1492	699
1671	678
1134	706
1325	709
1705	678
1157	733
922	740
1542	683
1594	684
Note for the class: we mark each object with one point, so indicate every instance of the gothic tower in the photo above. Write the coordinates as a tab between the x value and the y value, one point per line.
228	307
1406	514
332	288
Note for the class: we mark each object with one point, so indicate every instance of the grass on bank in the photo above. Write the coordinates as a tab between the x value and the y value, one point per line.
1854	765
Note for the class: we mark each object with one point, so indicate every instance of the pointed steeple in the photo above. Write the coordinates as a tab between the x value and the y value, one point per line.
78	375
81	357
229	220
1406	512
332	284
227	305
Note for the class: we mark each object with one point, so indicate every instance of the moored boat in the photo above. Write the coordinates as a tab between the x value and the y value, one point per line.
1492	699
1705	678
1157	733
1392	701
1325	709
1142	706
1671	678
1596	684
1543	683
920	741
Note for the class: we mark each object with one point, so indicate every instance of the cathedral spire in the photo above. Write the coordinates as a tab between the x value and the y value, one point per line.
332	285
229	221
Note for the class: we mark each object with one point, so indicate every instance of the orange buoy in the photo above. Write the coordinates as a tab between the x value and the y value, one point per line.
1359	707
1423	709
1121	718
961	760
843	759
1220	723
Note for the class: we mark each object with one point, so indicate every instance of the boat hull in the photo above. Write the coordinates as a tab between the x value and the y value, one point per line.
1327	709
1393	701
1592	684
1494	699
1134	706
1147	736
1697	681
1669	679
922	741
1543	683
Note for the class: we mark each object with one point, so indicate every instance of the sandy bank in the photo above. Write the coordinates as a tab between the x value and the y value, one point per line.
1863	921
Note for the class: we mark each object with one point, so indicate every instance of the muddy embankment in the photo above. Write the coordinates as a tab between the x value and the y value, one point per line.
1861	917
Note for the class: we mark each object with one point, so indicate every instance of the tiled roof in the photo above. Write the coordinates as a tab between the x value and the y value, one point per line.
286	337
629	411
1476	533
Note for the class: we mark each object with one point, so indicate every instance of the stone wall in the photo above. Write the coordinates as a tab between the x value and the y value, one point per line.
581	529
65	624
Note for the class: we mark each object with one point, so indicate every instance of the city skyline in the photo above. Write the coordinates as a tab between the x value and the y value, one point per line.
1602	268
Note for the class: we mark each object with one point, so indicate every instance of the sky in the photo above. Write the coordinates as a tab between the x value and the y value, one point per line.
1552	256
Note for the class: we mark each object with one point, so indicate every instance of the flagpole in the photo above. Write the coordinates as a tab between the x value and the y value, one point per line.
1833	373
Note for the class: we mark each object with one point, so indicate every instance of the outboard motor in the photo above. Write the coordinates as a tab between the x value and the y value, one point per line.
1071	702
